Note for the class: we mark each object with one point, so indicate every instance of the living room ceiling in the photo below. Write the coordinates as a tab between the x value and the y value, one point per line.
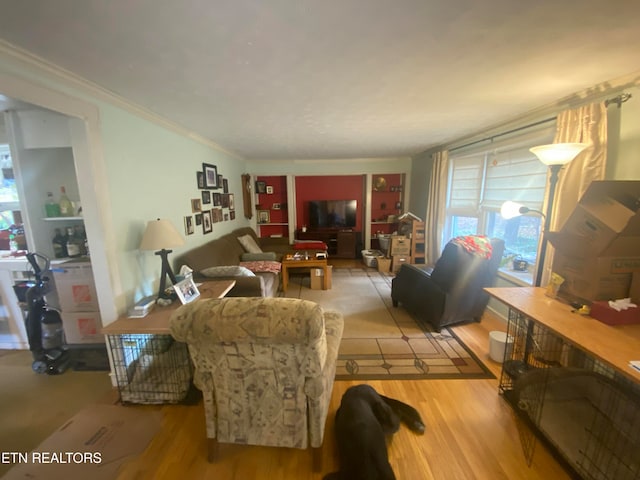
304	79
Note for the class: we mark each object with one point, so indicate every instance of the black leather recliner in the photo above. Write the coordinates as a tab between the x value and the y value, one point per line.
452	291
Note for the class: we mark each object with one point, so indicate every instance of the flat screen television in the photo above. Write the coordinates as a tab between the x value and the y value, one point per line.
332	213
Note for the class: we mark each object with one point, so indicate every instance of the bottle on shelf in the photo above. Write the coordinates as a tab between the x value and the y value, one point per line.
66	207
52	209
59	244
74	244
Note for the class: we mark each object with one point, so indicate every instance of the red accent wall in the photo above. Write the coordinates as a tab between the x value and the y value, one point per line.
330	187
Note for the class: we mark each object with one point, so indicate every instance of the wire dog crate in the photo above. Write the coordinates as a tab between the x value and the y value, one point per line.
585	409
151	369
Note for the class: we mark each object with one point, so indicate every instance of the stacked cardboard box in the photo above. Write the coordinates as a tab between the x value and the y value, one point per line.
597	251
400	251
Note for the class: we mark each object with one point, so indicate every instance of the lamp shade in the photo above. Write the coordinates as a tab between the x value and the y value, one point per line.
558	153
160	234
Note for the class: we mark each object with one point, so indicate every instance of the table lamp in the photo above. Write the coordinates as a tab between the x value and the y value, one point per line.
161	235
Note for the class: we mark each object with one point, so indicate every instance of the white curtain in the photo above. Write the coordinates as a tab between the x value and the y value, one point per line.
436	206
587	124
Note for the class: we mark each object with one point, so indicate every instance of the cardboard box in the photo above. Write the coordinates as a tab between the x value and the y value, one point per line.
317	278
75	287
400	245
398	260
597	250
384	264
94	444
602	311
82	327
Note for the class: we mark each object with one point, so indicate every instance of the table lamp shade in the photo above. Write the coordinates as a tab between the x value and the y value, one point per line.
160	234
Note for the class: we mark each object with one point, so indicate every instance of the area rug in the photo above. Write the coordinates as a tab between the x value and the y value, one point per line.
385	342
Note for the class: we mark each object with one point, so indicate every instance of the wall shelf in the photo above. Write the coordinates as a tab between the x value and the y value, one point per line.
62	219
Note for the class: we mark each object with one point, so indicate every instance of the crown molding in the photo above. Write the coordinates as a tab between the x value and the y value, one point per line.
94	90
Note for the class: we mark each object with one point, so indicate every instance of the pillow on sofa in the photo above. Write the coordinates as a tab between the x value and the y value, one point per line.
249	244
227	271
252	257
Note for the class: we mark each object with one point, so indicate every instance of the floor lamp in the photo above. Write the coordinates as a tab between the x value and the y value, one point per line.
161	235
555	156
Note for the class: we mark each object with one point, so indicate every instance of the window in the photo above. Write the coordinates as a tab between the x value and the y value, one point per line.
482	178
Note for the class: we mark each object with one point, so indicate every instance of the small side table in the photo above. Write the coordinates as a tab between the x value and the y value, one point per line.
288	263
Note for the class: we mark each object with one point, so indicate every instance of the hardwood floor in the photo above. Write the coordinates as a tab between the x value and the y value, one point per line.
471	434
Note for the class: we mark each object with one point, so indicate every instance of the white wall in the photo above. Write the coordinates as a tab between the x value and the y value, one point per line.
143	168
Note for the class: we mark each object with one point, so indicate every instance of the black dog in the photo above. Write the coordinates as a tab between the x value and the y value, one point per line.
363	422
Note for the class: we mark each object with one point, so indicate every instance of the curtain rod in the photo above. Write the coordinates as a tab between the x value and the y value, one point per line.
513	130
618	100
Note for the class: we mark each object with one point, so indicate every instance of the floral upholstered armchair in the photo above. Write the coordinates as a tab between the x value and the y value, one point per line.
265	367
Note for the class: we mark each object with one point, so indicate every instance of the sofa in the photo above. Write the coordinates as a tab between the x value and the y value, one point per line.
257	273
453	290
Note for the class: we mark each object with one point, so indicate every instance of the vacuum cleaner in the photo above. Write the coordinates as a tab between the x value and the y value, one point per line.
43	324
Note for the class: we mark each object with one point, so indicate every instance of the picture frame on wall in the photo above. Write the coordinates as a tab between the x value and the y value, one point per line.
261	187
220	179
207	226
188	225
196	205
198	219
206	197
269	189
263	216
232	203
210	173
200	179
225	185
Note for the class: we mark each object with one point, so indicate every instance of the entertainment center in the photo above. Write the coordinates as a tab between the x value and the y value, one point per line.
341	243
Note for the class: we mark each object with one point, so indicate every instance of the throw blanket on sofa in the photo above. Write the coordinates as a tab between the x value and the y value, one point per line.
475	244
262	266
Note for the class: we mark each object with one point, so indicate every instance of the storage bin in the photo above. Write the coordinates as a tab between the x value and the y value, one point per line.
369	257
499	343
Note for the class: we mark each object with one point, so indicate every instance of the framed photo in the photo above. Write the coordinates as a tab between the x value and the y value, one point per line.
206	197
269	189
261	187
225	185
219	185
196	205
186	290
210	173
263	216
198	218
188	225
232	204
217	199
232	215
275	206
225	200
207	226
200	177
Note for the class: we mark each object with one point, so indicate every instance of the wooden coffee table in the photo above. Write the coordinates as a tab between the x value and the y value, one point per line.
289	262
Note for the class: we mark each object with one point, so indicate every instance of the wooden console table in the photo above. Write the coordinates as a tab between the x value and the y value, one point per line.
567	377
149	366
341	243
157	321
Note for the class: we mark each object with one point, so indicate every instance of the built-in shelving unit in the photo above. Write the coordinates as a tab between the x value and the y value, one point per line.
272	206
